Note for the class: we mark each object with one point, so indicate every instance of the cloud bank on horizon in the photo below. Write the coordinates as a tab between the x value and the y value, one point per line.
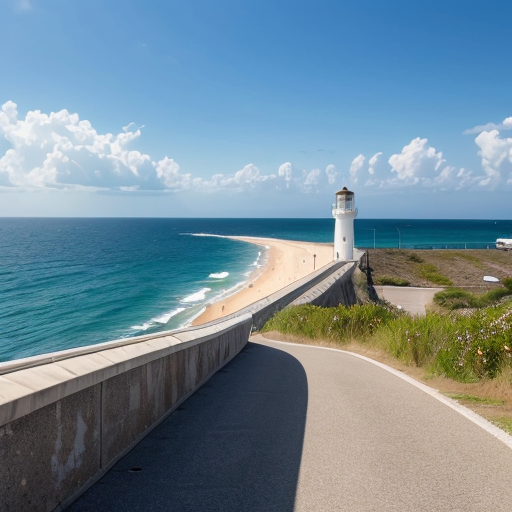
59	151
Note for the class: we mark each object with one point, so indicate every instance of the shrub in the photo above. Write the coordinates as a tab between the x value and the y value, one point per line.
392	281
465	348
507	283
480	346
415	258
414	340
339	324
455	298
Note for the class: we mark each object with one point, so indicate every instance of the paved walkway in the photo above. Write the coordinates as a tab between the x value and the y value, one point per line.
294	428
411	299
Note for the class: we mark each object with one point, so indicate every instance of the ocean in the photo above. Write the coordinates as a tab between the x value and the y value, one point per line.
67	283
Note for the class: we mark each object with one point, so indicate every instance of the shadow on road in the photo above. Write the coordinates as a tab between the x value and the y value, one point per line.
235	445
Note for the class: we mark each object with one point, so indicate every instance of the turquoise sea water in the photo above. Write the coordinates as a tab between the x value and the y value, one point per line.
72	282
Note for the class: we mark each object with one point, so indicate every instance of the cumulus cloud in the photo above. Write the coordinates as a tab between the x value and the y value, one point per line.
61	151
416	163
496	154
247	178
421	165
285	171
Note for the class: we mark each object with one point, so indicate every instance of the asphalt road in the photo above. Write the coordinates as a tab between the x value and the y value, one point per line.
294	428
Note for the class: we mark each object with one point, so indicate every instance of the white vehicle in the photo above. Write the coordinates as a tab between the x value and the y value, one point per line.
504	243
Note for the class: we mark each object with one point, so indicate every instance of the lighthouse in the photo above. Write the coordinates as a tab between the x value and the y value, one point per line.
344	213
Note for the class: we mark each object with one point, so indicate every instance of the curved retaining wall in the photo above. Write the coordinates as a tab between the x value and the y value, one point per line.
67	417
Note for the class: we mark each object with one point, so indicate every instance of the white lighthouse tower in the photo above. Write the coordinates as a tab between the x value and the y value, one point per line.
344	211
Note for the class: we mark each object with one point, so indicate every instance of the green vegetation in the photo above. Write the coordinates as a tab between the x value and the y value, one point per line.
461	255
474	399
415	258
504	423
464	348
392	281
430	273
455	298
339	324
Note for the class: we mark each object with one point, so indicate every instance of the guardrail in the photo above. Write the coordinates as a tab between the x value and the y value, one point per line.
440	246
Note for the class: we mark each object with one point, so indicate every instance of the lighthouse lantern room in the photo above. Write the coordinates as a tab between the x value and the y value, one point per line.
344	213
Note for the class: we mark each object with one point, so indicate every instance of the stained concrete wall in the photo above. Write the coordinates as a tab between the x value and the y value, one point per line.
63	424
67	417
333	282
336	288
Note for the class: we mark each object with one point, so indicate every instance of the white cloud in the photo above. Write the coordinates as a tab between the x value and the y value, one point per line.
331	173
496	154
506	124
168	171
356	166
310	180
60	151
285	171
373	162
416	163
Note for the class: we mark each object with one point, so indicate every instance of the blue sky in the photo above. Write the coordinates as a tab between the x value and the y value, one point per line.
255	108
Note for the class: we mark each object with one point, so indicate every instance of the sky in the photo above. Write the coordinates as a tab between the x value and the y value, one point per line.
255	108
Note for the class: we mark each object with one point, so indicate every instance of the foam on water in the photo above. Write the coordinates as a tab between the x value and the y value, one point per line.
257	261
163	319
158	320
196	297
219	275
191	319
227	293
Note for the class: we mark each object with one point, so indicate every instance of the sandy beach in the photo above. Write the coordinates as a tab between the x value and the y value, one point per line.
287	261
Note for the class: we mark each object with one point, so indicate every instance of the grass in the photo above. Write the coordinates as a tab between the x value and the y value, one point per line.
455	298
463	255
415	258
392	281
474	399
465	355
430	273
504	423
463	348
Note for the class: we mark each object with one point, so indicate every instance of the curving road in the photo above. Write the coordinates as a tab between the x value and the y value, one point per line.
288	427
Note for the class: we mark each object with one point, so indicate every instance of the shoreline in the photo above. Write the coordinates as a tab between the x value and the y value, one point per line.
285	261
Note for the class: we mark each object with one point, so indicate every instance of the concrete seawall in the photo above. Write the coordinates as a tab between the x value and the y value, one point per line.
67	417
